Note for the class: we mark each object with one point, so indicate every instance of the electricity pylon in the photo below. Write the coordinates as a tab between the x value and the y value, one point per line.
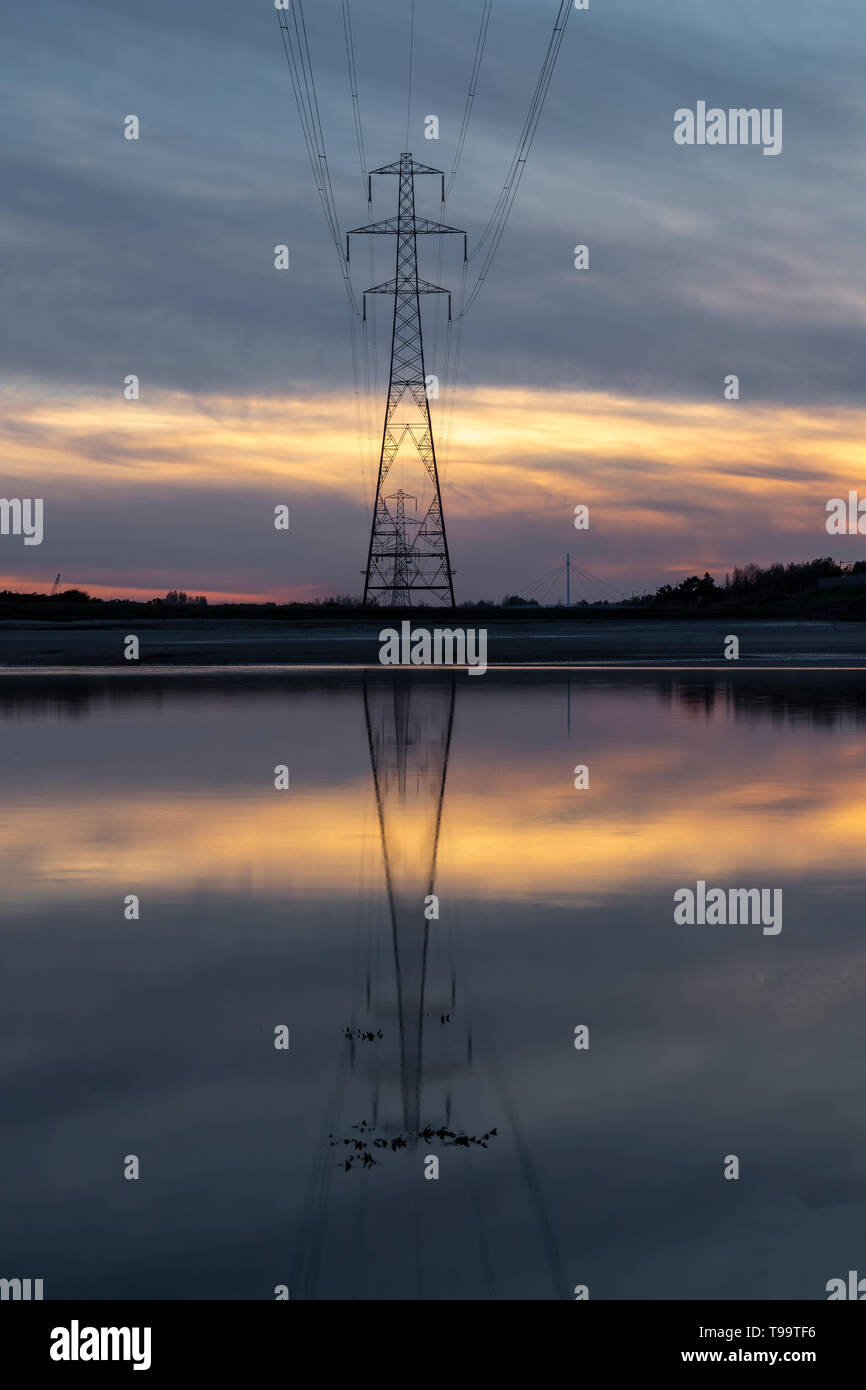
410	556
403	567
409	732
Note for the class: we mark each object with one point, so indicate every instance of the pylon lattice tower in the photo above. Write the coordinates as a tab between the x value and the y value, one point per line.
403	570
408	556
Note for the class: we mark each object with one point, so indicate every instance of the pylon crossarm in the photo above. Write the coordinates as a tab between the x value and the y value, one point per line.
414	167
389	227
423	227
390	287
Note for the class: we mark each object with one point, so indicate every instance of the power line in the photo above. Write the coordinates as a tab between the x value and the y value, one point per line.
457	332
302	81
451	384
590	582
411	58
367	467
297	51
543	588
473	83
353	87
533	113
546	580
504	203
543	597
499	217
296	46
600	584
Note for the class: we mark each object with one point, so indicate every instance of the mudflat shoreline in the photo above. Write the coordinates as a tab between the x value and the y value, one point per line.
182	643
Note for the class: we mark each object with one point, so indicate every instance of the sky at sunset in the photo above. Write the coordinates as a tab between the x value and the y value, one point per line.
602	387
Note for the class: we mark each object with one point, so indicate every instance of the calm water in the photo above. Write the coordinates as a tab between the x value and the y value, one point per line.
306	908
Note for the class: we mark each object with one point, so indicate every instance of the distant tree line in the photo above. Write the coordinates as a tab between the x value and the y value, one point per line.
746	584
178	596
756	584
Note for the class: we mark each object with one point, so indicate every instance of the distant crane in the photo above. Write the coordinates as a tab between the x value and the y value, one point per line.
56	586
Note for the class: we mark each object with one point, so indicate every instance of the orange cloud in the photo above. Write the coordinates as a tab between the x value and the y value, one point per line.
536	442
684	471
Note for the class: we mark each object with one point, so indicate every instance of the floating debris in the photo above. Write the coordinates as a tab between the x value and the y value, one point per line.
360	1149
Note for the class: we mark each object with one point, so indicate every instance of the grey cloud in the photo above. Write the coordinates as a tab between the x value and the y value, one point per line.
162	251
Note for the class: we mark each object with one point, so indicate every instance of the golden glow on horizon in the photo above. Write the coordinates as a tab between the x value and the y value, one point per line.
172	439
642	464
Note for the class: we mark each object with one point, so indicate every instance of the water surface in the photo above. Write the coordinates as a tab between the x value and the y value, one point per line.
306	908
